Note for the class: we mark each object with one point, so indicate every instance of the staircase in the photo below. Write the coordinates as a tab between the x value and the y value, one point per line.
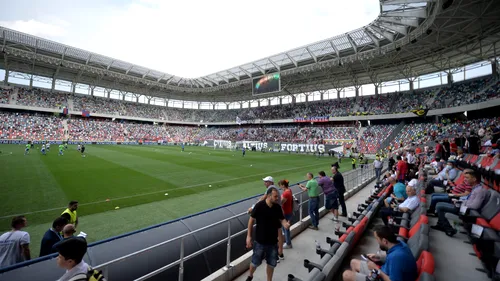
165	114
66	129
70	102
393	135
13	96
360	134
395	99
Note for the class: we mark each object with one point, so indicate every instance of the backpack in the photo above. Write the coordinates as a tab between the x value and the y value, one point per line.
91	275
295	205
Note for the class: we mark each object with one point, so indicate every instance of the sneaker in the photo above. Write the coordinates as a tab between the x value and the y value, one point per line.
249	278
281	257
286	246
438	227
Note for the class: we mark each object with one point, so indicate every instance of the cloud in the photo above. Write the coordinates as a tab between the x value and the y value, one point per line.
36	28
191	38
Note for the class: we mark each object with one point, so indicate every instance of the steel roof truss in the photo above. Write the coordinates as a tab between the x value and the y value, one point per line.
389	36
290	58
259	68
128	70
335	48
399	20
355	48
223	78
273	63
246	72
110	64
374	39
312	55
398	28
146	74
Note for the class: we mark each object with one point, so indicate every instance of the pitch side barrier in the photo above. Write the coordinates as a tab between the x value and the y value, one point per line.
188	248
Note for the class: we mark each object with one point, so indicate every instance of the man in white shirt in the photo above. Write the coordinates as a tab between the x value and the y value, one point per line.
409	205
71	252
14	245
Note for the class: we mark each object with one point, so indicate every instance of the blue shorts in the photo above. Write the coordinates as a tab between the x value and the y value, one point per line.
331	201
268	252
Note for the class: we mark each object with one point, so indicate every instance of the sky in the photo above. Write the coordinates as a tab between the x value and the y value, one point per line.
188	38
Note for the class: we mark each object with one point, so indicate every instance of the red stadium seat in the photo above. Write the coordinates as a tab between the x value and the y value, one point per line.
425	263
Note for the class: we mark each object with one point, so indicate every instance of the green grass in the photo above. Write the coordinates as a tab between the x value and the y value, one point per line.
135	178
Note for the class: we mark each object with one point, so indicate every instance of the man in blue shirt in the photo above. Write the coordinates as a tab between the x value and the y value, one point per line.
399	265
399	192
52	236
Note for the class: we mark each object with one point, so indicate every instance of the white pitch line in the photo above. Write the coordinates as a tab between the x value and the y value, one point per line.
161	191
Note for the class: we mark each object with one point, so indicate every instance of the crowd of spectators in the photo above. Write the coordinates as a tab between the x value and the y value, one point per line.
372	138
97	105
40	98
30	126
467	92
421	133
5	95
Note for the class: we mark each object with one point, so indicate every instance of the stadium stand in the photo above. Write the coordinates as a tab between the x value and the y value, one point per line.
462	93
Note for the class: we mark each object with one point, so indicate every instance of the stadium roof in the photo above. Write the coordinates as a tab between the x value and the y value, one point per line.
408	38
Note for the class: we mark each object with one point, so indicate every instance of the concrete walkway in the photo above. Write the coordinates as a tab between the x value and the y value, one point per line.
304	245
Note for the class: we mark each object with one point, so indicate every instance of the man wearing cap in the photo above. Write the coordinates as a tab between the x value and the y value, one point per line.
71	252
269	184
449	173
409	205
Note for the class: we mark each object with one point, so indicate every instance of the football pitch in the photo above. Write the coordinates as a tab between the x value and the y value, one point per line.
149	184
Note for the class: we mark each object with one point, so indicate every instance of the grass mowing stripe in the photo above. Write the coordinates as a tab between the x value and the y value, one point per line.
178	188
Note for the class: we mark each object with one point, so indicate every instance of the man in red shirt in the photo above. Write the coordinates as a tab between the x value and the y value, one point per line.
453	147
402	169
287	206
438	150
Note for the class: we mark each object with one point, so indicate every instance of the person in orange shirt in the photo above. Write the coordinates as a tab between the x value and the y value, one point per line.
418	150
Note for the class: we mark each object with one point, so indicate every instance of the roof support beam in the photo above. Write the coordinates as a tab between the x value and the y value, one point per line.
374	39
395	27
128	70
4	40
259	68
246	72
389	36
234	75
34	59
312	54
161	77
199	83
290	58
274	64
146	74
410	13
109	65
222	77
398	20
335	48
211	81
352	43
88	59
60	63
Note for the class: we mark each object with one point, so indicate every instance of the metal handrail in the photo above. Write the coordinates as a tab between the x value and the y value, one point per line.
183	258
168	241
175	238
